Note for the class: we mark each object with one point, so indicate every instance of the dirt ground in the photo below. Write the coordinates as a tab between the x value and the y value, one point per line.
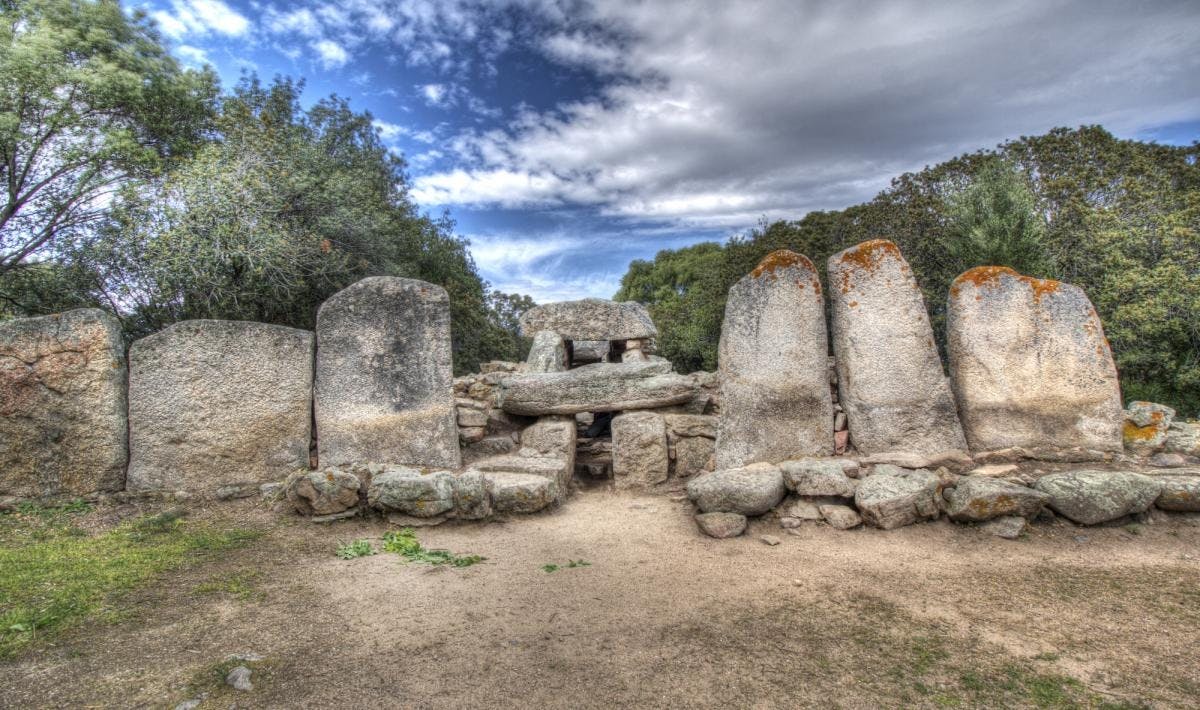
933	615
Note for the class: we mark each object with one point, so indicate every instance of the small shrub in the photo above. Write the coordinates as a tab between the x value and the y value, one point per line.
352	550
549	567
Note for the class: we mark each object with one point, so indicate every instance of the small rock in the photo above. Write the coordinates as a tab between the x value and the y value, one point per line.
239	679
1179	494
802	509
979	498
1169	460
322	493
1146	426
411	521
995	470
270	492
721	525
234	491
818	477
770	540
189	704
788	522
334	516
1009	527
840	517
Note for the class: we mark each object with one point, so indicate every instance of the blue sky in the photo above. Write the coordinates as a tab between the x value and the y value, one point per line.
568	137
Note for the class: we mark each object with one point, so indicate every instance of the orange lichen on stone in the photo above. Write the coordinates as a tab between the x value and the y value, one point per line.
867	257
982	276
1134	433
781	259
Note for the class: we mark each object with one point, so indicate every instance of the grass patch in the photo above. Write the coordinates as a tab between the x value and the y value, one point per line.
404	543
54	575
352	550
239	585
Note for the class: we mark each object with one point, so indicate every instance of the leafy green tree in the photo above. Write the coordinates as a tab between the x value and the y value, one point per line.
89	98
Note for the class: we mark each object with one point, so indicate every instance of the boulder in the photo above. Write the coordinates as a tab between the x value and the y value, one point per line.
551	439
979	498
1092	497
1184	438
749	490
603	387
893	497
721	525
818	477
383	382
590	319
520	492
773	357
1146	427
548	353
1179	493
890	378
62	405
324	492
422	494
693	455
215	403
639	450
1030	365
471	499
841	517
1009	527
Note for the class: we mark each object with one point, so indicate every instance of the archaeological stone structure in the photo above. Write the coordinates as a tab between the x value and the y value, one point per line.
843	416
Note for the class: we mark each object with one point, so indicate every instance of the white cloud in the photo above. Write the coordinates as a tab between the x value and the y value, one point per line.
435	94
192	56
332	54
201	18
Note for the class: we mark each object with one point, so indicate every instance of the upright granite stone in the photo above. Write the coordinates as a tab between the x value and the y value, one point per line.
383	389
639	453
890	379
1030	365
773	358
602	387
548	353
215	403
590	319
62	405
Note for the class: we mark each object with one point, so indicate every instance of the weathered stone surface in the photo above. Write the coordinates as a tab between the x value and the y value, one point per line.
691	425
548	353
773	356
1184	438
802	509
1170	460
639	452
214	403
603	387
549	445
1179	493
472	417
1030	365
979	498
693	455
952	459
323	492
585	352
383	380
1146	427
413	492
749	490
721	525
1092	497
520	492
890	379
471	499
818	477
892	497
841	517
62	405
1010	527
590	319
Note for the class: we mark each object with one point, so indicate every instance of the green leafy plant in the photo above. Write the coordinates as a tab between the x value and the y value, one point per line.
404	543
358	548
571	564
549	567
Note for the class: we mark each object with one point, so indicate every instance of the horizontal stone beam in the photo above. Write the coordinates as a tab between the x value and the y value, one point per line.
603	387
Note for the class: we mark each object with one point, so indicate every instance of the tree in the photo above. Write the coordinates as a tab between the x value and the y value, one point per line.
89	98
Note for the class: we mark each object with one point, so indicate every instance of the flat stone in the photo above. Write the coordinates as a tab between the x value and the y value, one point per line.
953	459
1179	494
773	356
817	477
770	540
520	492
603	387
1183	438
890	378
721	525
472	417
801	509
995	470
411	491
548	353
639	452
1092	497
590	319
749	490
893	497
324	492
62	405
472	434
1030	365
383	375
841	517
979	498
682	425
1009	527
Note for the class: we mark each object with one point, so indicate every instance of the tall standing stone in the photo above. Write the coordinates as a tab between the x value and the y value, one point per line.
547	353
639	441
62	405
773	359
218	403
384	381
1030	365
890	379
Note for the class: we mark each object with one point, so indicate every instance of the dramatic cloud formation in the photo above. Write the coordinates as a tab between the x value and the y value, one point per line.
663	123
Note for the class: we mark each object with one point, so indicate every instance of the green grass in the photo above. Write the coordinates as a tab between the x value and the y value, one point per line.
239	585
54	575
352	550
571	564
404	543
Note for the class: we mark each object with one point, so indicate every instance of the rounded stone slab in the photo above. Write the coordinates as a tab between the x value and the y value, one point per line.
773	362
1092	497
214	403
62	405
601	387
1179	493
383	381
893	497
980	498
1030	365
590	319
890	378
749	490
